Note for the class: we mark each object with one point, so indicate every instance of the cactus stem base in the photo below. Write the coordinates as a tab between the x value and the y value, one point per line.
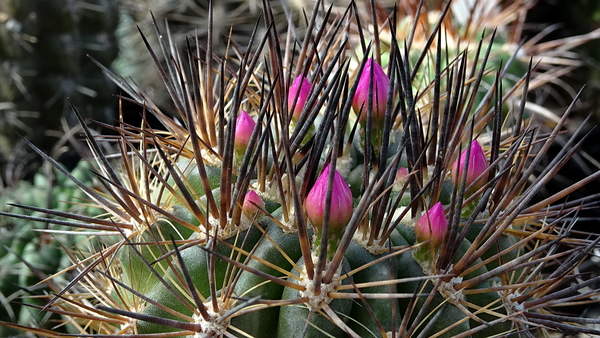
315	299
216	324
449	291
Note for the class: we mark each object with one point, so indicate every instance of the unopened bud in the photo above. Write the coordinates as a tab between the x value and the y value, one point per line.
252	204
244	126
299	91
476	166
401	174
381	85
340	210
432	226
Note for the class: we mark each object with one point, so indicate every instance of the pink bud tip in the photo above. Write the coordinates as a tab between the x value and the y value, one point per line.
341	202
252	204
432	226
476	166
381	85
301	88
244	126
402	174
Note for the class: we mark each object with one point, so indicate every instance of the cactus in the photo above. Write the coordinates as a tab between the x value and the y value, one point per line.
354	211
27	255
233	23
44	48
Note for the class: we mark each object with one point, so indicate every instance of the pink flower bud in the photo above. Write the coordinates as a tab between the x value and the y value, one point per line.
244	126
401	175
252	204
476	166
432	226
381	85
341	202
301	88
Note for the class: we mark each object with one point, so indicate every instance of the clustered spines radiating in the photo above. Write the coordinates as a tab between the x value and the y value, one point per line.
261	275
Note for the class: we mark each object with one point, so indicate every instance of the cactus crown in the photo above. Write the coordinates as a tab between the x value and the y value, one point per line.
200	241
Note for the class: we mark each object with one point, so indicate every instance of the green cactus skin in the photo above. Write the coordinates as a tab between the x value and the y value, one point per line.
298	321
181	259
278	248
195	260
386	311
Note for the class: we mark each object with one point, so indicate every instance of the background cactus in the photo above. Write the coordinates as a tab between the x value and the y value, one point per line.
44	48
234	19
184	254
28	256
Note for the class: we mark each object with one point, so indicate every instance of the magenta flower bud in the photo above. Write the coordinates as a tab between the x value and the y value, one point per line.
402	174
476	166
341	202
252	204
301	88
381	85
432	226
244	126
